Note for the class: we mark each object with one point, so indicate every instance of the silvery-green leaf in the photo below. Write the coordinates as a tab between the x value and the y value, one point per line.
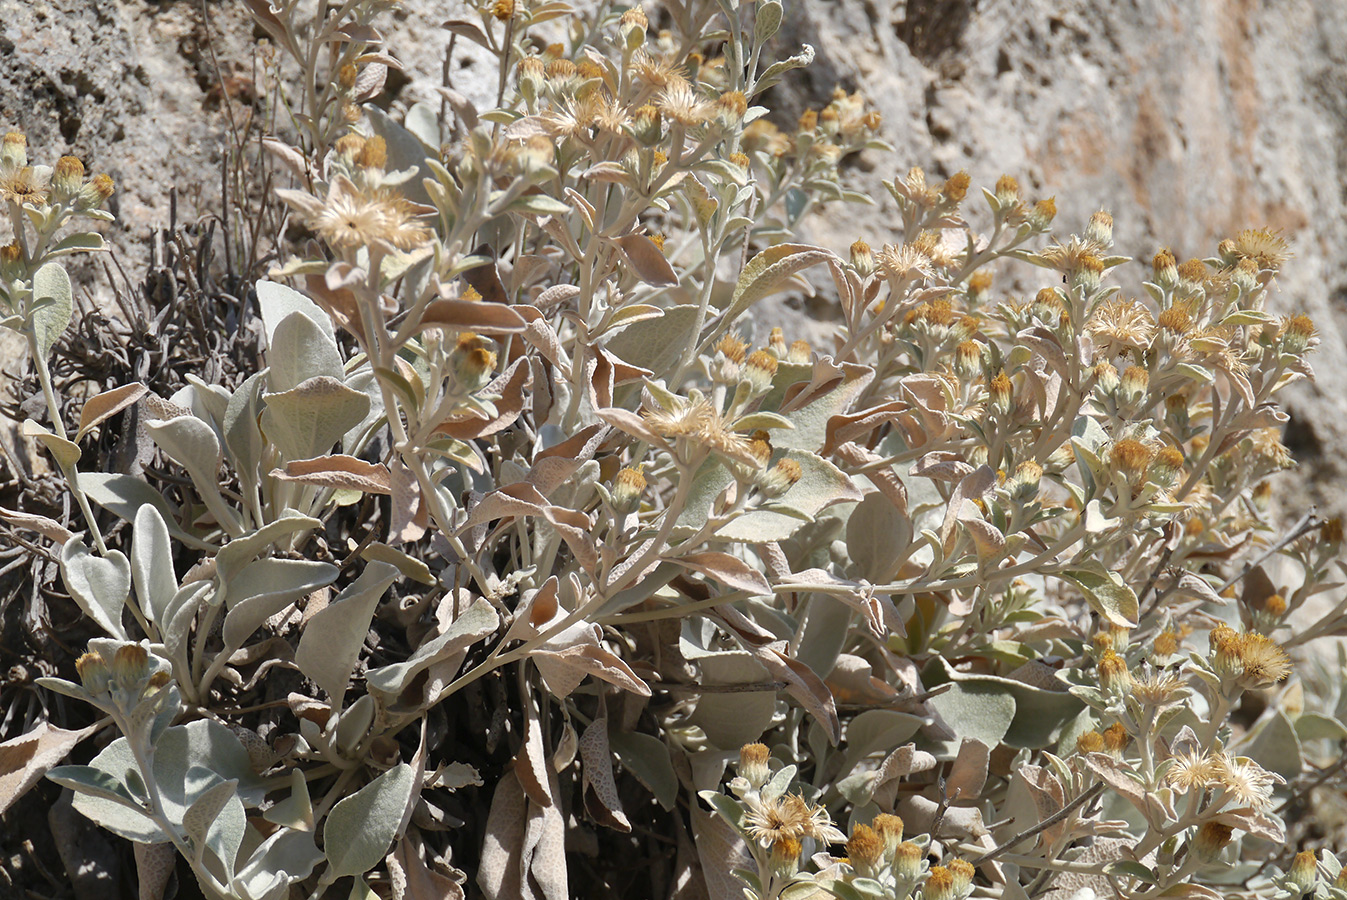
767	21
475	623
1276	747
295	811
203	745
152	564
243	437
821	484
276	301
647	757
51	305
240	552
301	349
66	452
192	443
769	270
99	584
877	533
708	483
1315	726
333	638
306	421
353	722
265	588
287	856
405	151
1105	592
733	719
657	344
216	817
92	781
123	496
980	712
811	420
79	242
361	828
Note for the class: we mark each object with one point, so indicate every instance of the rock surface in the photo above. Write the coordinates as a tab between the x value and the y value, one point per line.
1188	121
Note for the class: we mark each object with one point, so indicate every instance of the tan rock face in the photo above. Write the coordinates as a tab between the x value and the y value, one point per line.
1188	121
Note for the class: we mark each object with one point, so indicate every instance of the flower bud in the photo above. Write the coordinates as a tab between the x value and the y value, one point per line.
95	193
503	10
780	478
1130	458
628	486
865	849
808	121
784	860
1114	676
760	369
1165	270
730	108
632	26
1211	838
1100	229
1007	191
1116	740
1090	742
999	393
1245	276
979	285
907	858
890	828
753	764
1192	274
1089	275
1041	216
11	262
129	666
1106	378
1297	334
1166	465
1174	320
939	885
1165	644
862	260
955	187
968	359
776	343
473	360
530	75
961	870
800	353
1134	383
1023	485
1303	873
14	151
93	673
67	178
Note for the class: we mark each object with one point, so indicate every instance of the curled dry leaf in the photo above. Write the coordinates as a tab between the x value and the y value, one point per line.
337	471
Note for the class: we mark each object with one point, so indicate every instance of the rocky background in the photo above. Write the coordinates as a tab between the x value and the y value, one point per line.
1187	119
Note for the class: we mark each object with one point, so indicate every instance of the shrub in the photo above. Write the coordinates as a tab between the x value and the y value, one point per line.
527	499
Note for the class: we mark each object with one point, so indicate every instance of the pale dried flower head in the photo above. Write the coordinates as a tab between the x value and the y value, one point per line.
1119	325
350	217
